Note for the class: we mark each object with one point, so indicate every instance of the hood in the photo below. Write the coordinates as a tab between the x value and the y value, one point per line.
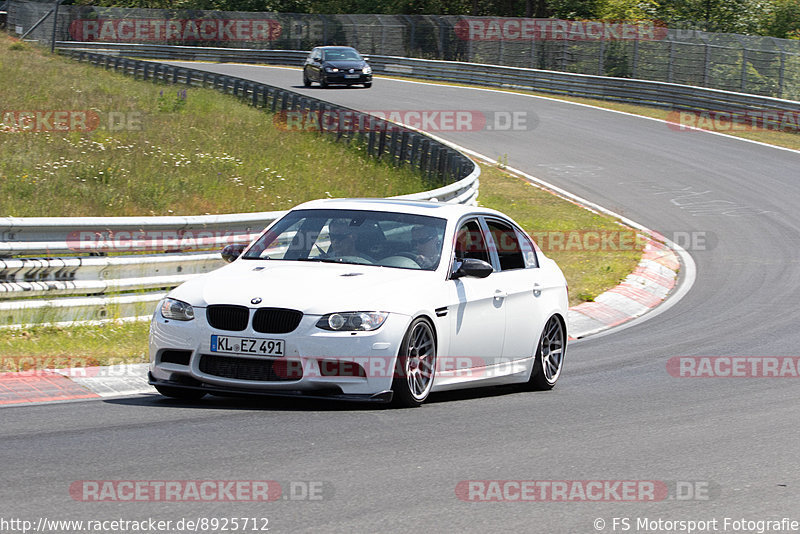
345	63
311	287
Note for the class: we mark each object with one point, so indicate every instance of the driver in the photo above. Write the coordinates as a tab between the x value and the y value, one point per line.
426	246
343	239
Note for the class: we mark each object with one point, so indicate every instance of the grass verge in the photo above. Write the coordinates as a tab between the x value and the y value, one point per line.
154	149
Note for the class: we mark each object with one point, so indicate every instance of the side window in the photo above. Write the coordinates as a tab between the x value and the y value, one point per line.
528	250
470	242
507	243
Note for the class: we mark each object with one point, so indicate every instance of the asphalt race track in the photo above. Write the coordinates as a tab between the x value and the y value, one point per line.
616	414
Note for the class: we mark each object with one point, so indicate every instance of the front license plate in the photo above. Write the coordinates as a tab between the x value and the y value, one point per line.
352	75
248	345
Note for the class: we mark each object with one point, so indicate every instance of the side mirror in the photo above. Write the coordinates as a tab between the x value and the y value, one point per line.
231	252
365	59
473	267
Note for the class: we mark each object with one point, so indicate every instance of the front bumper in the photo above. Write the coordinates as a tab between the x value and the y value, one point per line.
317	363
343	78
381	397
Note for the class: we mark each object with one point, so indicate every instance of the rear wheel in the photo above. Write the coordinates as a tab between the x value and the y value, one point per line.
180	393
549	356
416	365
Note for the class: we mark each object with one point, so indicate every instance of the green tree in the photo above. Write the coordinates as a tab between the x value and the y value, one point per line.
628	9
782	19
726	16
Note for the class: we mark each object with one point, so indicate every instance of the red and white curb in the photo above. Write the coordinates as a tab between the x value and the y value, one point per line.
644	289
52	385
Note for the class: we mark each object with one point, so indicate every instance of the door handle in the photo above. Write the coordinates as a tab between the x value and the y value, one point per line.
498	294
537	289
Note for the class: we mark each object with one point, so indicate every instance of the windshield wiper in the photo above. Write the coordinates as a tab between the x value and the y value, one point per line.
321	260
332	260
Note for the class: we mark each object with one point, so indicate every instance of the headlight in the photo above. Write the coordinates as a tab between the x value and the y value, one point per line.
367	69
331	69
352	321
176	309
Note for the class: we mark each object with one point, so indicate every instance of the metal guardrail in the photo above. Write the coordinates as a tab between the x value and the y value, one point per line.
661	94
170	250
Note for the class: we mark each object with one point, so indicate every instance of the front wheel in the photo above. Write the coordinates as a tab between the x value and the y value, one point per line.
306	81
416	365
367	85
549	356
323	82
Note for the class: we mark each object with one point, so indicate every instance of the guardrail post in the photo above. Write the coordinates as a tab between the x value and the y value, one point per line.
382	139
449	164
436	159
706	62
371	142
392	150
415	140
273	100
781	72
403	147
424	155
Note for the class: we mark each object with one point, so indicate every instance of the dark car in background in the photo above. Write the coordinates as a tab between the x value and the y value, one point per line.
342	65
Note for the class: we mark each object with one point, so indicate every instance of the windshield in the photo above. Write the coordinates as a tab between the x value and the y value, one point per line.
339	54
352	236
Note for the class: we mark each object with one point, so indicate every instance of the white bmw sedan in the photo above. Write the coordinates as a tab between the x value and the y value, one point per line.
367	299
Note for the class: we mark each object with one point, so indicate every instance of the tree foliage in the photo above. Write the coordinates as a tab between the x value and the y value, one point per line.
777	18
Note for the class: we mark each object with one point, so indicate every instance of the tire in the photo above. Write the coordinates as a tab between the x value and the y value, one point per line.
323	82
367	85
306	81
180	393
549	359
415	366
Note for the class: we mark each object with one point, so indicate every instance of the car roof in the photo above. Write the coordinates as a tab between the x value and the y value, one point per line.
444	210
334	47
